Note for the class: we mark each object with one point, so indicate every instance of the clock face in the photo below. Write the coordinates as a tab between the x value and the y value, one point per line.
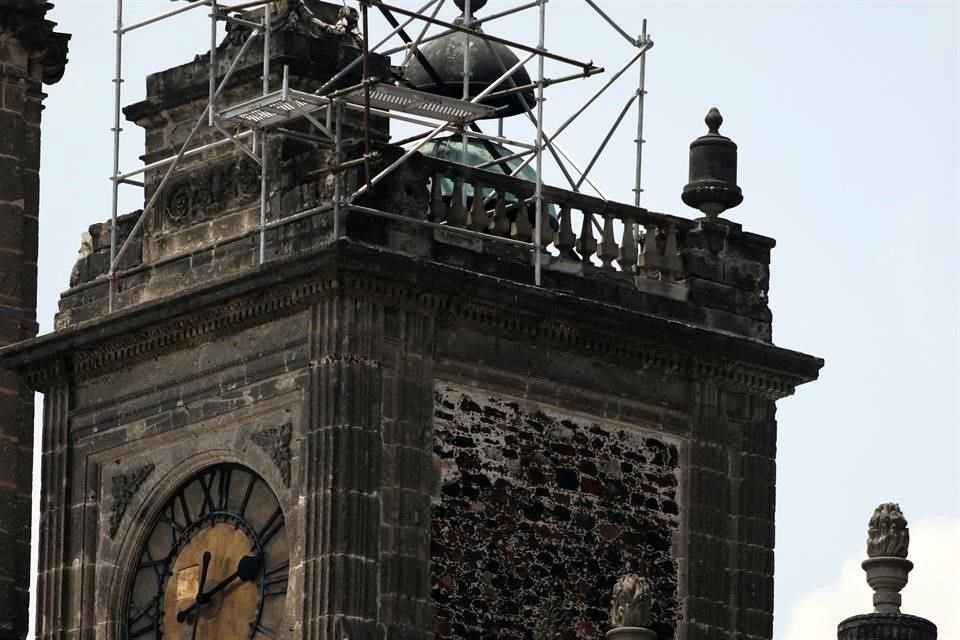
214	564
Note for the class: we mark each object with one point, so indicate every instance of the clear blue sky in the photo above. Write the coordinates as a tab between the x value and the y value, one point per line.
847	119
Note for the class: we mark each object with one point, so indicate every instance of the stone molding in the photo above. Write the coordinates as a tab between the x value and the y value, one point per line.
886	626
249	310
36	35
275	442
125	487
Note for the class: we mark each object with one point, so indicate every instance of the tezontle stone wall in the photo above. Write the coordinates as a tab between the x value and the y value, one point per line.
536	506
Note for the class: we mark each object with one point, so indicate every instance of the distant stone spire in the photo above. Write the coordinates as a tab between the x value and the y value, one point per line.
887	568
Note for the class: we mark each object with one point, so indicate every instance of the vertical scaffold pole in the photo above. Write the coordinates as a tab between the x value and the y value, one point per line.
464	140
117	82
263	136
538	229
641	94
211	114
263	195
366	93
266	48
338	175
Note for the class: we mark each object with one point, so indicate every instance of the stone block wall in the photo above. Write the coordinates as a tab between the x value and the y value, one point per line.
536	507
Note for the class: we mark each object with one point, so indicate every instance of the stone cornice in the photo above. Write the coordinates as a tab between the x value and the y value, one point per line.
25	20
513	311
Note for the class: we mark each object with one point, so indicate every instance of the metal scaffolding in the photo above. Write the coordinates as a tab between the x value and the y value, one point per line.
324	109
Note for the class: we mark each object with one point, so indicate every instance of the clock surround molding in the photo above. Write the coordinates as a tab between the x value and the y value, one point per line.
116	557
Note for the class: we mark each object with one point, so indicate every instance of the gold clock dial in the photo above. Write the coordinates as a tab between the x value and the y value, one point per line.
214	564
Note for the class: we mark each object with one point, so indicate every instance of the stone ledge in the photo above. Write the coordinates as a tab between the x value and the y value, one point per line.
227	305
886	626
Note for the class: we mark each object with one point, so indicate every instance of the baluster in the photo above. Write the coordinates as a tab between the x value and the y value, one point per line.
607	250
479	220
628	247
672	264
547	236
501	222
650	256
586	243
521	224
566	241
457	215
438	208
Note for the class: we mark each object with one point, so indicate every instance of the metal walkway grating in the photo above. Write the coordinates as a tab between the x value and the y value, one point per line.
278	107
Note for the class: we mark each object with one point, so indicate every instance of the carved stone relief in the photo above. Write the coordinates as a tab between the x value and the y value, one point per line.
125	487
195	197
275	441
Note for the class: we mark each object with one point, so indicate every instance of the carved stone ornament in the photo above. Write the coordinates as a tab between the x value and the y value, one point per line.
26	22
275	441
125	487
304	16
554	622
887	534
631	602
193	197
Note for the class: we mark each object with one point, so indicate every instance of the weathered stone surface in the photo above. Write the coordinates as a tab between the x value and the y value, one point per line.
457	454
31	53
534	505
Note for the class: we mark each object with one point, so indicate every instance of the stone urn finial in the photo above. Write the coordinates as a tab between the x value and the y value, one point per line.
630	609
888	539
712	188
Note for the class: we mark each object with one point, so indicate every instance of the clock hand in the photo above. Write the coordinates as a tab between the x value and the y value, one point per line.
203	578
247	569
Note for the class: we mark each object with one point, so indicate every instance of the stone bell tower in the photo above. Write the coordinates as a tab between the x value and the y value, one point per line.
31	54
337	388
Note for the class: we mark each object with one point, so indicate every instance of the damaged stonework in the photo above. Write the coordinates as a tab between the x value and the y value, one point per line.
534	505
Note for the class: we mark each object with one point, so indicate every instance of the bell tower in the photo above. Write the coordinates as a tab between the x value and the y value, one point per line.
339	381
31	54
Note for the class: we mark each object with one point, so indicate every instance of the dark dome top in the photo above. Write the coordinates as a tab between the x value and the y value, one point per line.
445	56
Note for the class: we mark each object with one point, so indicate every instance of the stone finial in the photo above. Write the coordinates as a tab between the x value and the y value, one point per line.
713	188
713	120
631	602
630	609
887	570
888	534
887	567
554	622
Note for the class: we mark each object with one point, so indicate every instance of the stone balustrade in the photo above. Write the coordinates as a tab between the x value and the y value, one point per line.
602	235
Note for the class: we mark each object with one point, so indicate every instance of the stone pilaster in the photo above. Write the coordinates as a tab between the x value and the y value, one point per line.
53	513
344	472
409	478
28	51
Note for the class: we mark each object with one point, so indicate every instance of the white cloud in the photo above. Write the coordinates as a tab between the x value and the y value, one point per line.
933	591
